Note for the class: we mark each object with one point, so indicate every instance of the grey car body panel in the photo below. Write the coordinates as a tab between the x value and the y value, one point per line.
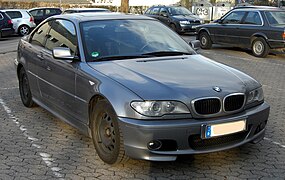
179	78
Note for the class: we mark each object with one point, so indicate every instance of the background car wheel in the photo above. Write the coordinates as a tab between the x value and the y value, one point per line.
205	40
24	30
173	27
260	48
24	87
106	134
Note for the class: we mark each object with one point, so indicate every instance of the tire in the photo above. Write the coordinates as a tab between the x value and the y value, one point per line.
24	87
24	30
173	27
205	40
259	47
106	134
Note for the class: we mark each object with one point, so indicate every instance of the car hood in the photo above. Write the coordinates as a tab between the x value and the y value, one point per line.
186	17
175	78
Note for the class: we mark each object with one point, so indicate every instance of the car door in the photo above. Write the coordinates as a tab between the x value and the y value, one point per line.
164	16
228	31
34	57
251	24
57	82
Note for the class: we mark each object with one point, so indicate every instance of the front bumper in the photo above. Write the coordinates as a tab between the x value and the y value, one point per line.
180	137
184	28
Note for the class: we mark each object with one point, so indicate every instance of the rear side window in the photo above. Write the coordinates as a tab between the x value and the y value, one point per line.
51	12
154	11
14	14
62	34
40	36
253	18
1	16
276	17
37	13
234	17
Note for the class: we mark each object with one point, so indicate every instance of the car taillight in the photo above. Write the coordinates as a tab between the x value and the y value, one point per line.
31	19
10	21
283	35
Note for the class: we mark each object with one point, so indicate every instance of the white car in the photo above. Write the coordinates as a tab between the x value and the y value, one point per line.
23	21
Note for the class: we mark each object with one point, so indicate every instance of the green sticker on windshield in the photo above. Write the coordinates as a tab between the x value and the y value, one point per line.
95	54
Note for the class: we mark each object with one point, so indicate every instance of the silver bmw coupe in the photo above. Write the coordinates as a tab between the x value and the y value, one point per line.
136	88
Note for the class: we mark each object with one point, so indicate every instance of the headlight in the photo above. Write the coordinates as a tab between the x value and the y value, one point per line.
159	108
255	96
184	22
202	21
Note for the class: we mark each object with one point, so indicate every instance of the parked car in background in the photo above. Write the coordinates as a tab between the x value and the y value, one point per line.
42	13
82	10
23	21
177	18
257	28
6	25
137	88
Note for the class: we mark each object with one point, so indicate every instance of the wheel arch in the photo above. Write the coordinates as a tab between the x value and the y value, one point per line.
19	67
257	35
203	30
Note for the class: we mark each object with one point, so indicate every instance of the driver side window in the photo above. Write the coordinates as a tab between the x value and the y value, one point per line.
234	17
62	34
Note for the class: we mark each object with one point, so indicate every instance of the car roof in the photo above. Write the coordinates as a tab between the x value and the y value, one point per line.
89	16
43	8
82	9
258	8
22	10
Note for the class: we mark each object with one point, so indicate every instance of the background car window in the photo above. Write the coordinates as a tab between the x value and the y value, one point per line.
163	11
36	13
39	37
154	11
179	11
276	17
234	17
50	11
253	18
62	34
1	16
147	11
14	14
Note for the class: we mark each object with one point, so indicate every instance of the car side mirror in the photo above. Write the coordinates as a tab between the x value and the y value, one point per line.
62	53
195	44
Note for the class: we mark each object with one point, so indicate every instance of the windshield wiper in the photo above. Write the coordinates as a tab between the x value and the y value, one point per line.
108	58
167	53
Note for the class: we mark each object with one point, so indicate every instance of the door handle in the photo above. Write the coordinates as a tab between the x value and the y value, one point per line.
48	68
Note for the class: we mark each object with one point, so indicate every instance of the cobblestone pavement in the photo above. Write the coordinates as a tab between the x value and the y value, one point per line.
36	145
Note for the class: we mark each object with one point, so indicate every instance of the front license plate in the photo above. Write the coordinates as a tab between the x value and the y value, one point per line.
214	130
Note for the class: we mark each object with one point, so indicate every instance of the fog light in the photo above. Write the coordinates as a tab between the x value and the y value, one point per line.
154	145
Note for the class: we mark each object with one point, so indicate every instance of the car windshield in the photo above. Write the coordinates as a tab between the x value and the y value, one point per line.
125	39
179	11
276	18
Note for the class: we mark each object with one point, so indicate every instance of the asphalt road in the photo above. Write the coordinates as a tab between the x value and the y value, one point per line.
36	145
9	44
